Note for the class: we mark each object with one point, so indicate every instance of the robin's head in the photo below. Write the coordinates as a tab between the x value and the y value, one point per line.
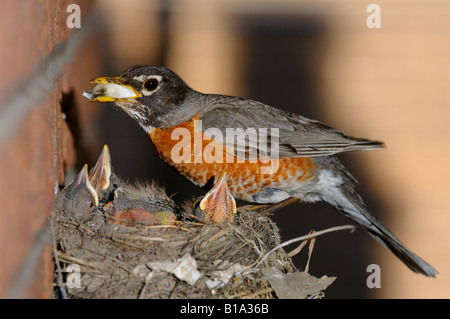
153	96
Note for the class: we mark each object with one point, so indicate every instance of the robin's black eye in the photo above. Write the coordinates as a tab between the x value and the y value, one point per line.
151	84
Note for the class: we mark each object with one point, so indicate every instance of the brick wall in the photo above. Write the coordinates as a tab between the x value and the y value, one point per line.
36	143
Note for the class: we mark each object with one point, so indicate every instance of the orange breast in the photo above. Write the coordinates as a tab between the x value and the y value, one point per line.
201	161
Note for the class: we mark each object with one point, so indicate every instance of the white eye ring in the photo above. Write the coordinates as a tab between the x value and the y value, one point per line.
145	79
151	84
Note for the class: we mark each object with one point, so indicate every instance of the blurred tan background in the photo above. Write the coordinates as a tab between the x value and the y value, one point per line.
320	59
313	57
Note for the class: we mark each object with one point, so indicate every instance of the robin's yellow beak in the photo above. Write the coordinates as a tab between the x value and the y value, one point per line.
218	205
110	89
100	174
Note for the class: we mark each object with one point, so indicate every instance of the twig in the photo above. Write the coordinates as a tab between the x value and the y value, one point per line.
144	288
244	295
264	291
294	240
300	247
78	261
312	241
135	237
294	252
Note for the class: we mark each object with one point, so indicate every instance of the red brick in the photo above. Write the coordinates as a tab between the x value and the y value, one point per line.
40	150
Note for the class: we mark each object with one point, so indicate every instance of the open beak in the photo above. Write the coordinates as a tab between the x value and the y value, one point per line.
110	89
100	174
218	205
82	181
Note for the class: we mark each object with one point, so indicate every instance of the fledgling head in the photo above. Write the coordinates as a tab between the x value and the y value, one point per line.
218	205
103	179
79	198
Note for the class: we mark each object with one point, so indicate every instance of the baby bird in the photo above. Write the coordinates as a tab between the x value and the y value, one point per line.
144	203
218	205
103	178
78	199
127	204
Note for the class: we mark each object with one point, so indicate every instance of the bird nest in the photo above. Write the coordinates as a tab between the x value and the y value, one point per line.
240	259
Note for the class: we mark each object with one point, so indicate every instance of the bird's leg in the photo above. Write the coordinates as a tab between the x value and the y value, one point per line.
269	208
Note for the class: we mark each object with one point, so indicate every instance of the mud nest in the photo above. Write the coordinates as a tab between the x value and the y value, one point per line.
98	259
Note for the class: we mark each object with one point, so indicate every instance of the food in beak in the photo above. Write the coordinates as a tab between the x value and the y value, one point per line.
108	92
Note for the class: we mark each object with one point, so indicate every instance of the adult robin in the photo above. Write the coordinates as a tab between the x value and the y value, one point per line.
125	203
192	132
79	198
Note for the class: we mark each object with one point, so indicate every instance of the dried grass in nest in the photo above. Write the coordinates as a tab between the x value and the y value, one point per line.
118	261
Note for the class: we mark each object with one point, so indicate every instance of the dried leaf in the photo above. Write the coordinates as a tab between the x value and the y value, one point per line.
296	285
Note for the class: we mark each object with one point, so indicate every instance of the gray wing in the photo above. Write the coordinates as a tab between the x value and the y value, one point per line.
253	130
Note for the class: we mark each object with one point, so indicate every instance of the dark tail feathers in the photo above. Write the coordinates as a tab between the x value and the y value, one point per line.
351	205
